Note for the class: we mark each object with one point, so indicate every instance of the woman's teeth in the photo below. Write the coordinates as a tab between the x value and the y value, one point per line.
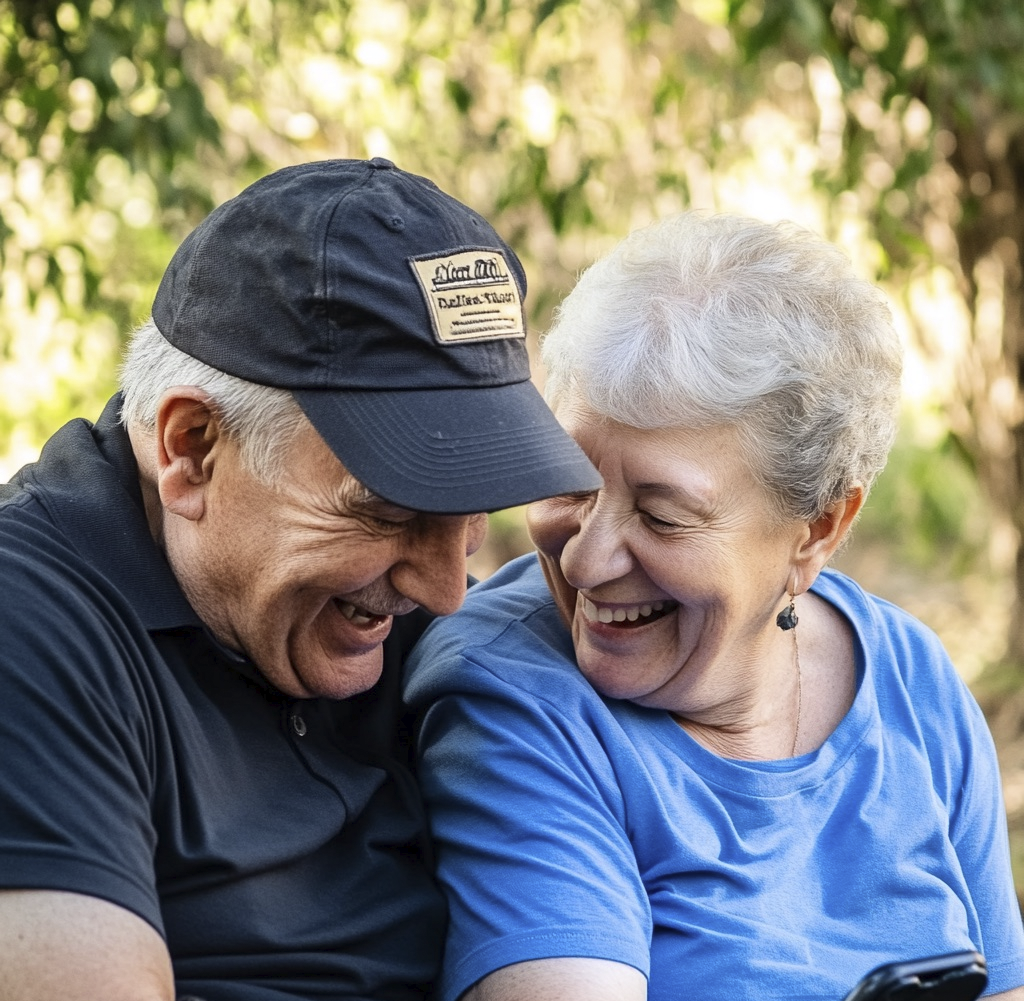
628	613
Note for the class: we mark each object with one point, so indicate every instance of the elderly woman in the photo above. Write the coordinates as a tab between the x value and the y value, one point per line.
673	755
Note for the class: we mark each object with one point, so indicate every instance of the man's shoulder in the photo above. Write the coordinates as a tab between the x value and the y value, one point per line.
48	494
11	493
65	612
21	501
39	565
62	621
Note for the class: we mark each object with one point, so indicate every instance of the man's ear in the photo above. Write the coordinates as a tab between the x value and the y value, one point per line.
824	536
187	429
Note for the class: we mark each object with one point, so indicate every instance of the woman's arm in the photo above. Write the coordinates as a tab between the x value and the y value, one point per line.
565	980
528	820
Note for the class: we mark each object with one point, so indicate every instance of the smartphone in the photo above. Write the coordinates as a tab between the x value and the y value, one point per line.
955	976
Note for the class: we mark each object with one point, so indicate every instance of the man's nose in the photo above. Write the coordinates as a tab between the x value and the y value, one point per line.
432	571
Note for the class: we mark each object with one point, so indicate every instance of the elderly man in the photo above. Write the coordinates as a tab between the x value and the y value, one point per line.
207	596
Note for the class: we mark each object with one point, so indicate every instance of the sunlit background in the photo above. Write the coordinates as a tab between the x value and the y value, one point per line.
897	133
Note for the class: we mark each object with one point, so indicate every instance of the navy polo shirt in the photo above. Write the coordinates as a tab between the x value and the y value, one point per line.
277	844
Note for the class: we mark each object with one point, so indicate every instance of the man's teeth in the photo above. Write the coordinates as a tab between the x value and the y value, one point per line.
630	613
359	616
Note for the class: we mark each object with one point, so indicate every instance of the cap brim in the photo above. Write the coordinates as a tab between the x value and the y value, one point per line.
451	451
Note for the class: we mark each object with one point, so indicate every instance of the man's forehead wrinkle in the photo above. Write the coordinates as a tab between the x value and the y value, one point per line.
359	493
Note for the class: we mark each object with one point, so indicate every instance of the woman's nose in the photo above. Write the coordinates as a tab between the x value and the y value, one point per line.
597	552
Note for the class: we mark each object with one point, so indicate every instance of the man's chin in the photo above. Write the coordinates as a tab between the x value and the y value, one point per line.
316	673
341	674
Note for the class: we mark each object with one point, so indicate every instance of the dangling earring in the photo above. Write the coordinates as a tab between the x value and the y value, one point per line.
787	618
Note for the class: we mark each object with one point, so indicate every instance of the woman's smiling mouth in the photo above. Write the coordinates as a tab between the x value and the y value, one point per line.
626	615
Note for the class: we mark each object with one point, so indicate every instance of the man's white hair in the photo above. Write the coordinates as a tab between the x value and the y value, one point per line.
264	420
700	320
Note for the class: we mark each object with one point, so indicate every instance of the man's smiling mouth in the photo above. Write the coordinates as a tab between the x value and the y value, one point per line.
359	616
627	615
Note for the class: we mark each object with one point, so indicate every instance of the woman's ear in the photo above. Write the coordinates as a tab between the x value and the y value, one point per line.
187	429
824	536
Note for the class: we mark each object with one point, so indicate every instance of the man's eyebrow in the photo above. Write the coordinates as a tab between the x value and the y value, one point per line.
364	495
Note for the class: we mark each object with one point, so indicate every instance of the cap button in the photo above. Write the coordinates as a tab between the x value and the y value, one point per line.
379	163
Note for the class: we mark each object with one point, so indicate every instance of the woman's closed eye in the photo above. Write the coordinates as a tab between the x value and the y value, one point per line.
658	523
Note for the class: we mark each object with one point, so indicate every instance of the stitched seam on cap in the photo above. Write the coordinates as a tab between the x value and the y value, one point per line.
325	370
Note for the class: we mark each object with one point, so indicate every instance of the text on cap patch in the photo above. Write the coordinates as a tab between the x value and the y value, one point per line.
471	296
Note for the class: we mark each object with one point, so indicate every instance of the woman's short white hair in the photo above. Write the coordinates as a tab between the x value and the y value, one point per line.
263	420
704	320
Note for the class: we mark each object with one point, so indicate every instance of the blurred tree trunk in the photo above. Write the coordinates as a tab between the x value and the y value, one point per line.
957	197
988	238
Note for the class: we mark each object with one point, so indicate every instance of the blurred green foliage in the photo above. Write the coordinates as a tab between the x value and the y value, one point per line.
124	122
928	508
926	129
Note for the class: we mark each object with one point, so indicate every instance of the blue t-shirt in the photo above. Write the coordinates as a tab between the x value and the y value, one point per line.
570	824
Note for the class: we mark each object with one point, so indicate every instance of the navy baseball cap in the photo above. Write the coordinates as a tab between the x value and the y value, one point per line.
394	315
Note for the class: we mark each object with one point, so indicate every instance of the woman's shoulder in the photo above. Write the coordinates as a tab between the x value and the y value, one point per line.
882	628
515	593
903	657
508	632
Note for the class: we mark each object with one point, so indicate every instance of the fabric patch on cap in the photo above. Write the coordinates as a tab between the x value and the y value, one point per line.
471	296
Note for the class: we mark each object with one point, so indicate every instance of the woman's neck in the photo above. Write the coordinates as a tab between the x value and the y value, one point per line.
802	683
